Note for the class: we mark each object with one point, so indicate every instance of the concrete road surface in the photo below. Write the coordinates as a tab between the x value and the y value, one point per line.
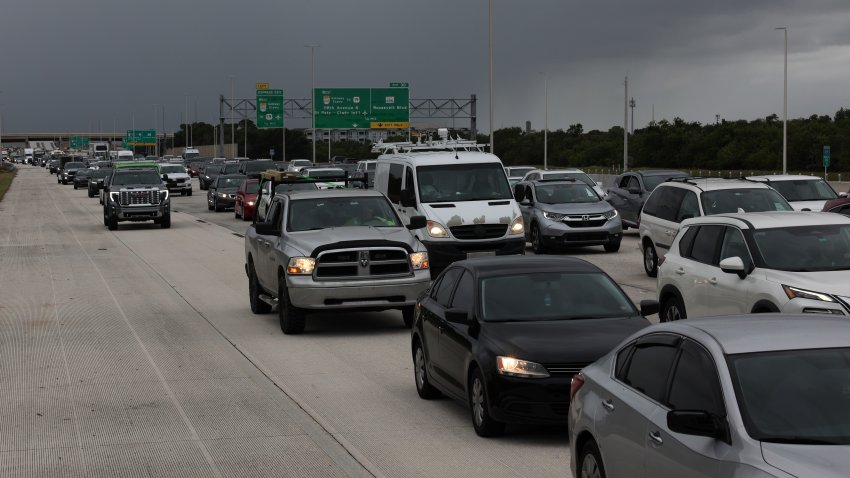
134	353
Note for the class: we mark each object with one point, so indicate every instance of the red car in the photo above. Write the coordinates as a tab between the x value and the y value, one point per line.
246	200
840	205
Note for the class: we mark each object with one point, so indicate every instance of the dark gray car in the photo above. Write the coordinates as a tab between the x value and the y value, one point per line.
222	192
631	190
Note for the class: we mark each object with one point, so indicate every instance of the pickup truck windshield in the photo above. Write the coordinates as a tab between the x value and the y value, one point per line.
462	182
136	177
314	214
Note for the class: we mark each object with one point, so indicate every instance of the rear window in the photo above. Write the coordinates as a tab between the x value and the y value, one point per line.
805	189
725	201
259	166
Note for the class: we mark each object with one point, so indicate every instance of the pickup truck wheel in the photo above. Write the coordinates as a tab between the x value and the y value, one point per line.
257	305
292	318
408	316
111	221
165	221
105	218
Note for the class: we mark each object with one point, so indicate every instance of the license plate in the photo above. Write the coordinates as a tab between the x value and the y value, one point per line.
471	255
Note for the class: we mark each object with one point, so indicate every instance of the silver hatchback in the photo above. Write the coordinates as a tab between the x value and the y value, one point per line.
739	396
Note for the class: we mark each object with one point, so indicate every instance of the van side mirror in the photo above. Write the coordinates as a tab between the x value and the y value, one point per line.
407	198
417	222
698	423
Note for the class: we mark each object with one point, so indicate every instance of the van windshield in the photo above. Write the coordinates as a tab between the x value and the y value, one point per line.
462	182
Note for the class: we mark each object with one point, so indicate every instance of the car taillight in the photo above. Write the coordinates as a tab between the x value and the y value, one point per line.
576	384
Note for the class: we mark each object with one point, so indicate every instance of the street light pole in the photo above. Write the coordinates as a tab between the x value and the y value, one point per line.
231	111
312	48
626	126
545	121
632	106
490	67
785	108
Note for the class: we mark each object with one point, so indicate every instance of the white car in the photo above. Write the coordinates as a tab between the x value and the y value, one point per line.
330	173
176	178
296	165
577	174
804	193
790	262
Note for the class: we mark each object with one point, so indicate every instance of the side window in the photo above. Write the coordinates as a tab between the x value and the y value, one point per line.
447	284
705	244
529	194
622	360
689	207
409	183
394	183
463	298
651	205
668	208
633	182
734	246
687	241
695	384
275	213
623	182
649	368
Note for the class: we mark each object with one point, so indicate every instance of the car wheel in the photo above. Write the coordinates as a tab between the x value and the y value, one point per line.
650	260
90	194
590	462
165	221
216	206
423	387
257	305
189	193
105	218
537	244
407	314
292	319
75	186
672	309
111	221
612	246
484	424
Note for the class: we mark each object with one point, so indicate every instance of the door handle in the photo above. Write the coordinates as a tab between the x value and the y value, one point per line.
608	405
713	281
656	438
680	270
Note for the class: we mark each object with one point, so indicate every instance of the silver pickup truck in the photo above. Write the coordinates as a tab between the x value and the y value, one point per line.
333	249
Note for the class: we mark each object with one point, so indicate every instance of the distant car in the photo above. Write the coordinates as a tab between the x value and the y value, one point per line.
566	213
176	178
364	168
326	173
67	173
96	178
246	200
297	164
253	169
804	193
207	175
516	173
631	190
81	179
222	192
566	173
740	396
840	205
506	334
195	168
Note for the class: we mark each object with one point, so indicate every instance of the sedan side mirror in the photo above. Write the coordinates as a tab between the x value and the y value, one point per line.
734	265
417	222
458	316
698	423
649	307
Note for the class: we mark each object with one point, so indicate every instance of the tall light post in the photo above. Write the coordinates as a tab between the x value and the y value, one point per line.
632	105
312	48
231	110
155	132
626	126
785	108
545	120
490	67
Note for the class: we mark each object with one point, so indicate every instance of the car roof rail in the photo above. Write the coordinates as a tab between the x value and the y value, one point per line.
554	180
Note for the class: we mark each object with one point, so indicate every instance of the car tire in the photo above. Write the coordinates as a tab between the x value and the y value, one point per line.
590	462
189	193
482	422
537	244
111	221
650	260
292	319
424	388
75	187
672	309
257	305
90	194
165	221
612	246
408	315
215	206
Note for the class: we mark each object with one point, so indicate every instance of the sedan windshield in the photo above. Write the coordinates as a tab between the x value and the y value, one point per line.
725	201
312	214
566	193
229	183
148	176
794	396
805	248
805	189
462	182
252	188
552	296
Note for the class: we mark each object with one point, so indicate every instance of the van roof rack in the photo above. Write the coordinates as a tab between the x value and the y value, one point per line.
444	143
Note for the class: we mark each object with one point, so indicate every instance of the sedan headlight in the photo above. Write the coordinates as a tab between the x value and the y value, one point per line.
419	260
610	214
435	229
794	292
222	195
301	265
520	368
517	227
553	216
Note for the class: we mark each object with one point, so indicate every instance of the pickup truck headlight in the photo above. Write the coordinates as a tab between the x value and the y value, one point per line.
435	229
114	196
301	265
517	227
163	195
520	368
419	260
610	214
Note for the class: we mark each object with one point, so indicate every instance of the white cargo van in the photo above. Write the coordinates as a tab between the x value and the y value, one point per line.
463	193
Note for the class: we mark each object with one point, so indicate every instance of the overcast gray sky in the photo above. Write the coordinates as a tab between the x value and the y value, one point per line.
79	65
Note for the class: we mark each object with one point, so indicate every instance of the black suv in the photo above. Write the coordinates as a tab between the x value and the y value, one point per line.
136	194
631	190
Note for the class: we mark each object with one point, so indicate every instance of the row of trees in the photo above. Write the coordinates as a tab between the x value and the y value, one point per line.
679	144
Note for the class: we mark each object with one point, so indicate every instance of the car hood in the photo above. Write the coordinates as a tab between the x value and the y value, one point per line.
828	282
497	211
344	237
808	461
562	341
578	208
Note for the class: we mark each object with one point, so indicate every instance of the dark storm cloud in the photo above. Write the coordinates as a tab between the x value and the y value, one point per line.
92	64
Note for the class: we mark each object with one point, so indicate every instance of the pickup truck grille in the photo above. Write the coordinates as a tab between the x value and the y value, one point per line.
139	198
362	263
479	231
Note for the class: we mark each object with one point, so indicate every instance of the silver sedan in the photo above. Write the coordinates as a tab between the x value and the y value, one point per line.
740	396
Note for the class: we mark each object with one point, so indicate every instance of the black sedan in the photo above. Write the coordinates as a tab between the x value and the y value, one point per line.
81	179
96	178
208	175
506	334
221	194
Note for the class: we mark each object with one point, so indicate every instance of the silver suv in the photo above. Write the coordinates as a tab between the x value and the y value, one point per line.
683	198
790	262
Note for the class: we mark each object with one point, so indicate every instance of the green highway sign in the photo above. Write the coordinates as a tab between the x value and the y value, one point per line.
140	137
346	108
826	156
269	108
79	142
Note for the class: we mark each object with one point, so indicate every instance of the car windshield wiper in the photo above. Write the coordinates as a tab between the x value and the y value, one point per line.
792	440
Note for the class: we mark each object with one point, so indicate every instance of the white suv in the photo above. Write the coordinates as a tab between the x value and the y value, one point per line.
678	199
789	262
805	193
